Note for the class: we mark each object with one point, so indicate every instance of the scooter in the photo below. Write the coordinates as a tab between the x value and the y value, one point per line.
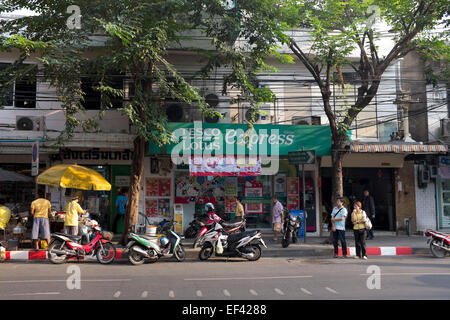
291	227
245	244
228	228
141	248
439	243
63	246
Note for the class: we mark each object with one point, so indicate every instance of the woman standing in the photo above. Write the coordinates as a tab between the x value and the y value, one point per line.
359	229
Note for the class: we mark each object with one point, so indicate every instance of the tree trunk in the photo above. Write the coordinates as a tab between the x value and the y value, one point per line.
137	171
337	157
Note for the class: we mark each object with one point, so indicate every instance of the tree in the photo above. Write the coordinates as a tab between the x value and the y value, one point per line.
339	27
132	38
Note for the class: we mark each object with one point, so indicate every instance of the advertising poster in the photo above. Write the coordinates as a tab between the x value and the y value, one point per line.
293	186
280	184
230	204
164	207
253	193
151	208
224	166
293	202
164	188
151	187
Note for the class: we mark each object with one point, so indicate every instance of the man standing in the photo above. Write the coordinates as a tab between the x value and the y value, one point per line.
73	209
40	208
121	204
5	216
338	216
277	217
239	215
368	205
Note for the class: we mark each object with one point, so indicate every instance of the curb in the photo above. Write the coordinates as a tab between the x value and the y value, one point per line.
268	253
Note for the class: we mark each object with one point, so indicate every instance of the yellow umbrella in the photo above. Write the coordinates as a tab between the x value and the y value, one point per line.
73	176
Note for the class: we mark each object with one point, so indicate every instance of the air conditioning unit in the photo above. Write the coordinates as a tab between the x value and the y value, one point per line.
29	123
264	117
445	129
220	103
178	111
309	120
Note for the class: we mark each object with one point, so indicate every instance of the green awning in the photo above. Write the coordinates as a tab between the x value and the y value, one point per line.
227	138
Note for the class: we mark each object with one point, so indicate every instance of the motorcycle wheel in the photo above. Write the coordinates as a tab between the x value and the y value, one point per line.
294	239
256	250
206	252
436	251
179	253
107	254
54	258
135	258
285	240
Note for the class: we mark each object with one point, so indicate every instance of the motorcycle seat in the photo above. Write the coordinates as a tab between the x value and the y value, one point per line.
75	238
238	236
231	224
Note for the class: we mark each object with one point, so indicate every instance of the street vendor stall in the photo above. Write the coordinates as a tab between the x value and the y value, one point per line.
70	176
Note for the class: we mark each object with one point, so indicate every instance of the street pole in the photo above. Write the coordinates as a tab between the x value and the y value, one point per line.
304	202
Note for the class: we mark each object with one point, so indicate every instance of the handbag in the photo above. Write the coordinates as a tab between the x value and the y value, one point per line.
333	228
367	224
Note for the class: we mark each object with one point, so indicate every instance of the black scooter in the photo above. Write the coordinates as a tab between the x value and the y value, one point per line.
194	227
290	229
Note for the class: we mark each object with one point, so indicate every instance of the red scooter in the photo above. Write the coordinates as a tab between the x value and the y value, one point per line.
439	243
63	247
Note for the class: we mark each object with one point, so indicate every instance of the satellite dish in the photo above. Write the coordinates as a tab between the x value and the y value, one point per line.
175	112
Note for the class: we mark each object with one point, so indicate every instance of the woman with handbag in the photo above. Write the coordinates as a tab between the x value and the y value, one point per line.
359	229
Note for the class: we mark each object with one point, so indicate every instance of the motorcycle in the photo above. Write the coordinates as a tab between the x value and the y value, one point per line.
228	229
194	227
290	229
141	248
244	244
63	246
439	243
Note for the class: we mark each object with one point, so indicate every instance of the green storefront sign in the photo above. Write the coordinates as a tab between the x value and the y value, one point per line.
235	139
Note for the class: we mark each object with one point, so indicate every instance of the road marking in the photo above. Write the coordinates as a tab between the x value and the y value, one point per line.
144	294
226	293
253	292
117	294
53	280
199	293
34	294
281	293
306	291
171	294
247	278
332	290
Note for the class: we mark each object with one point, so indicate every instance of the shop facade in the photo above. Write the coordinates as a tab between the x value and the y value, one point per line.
443	193
180	190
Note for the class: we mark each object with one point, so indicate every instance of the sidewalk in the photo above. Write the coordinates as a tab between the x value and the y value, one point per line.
382	244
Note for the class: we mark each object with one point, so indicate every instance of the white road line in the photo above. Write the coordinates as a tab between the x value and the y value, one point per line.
247	278
253	292
53	280
171	294
306	291
199	293
332	290
281	293
117	294
226	293
36	293
144	294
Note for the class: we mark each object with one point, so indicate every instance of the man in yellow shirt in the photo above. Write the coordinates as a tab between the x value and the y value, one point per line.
73	209
239	215
5	216
40	208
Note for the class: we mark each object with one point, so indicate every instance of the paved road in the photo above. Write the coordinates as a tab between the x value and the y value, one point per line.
408	277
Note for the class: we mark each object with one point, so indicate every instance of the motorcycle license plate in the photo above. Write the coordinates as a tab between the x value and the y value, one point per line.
262	241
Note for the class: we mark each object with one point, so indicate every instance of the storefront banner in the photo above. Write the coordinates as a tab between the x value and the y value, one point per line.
224	166
238	139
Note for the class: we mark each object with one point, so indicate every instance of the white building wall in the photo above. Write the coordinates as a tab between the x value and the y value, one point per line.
425	205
